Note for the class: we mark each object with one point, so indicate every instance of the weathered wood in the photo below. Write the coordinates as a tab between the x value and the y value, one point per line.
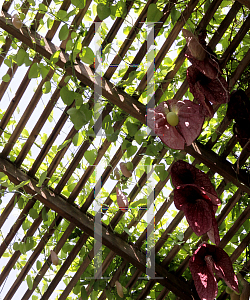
74	215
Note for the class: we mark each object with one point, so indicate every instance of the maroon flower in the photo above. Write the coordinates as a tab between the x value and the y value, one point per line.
239	110
204	76
207	260
207	87
198	209
184	173
189	122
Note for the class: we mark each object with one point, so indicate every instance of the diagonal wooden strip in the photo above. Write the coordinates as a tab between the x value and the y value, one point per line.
74	215
84	73
220	165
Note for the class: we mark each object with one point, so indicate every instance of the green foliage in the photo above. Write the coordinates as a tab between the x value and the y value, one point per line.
154	14
103	11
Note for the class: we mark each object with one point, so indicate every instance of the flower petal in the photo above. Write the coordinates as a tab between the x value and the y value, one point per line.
198	211
209	67
193	44
190	120
156	120
185	173
213	233
204	280
171	137
122	200
224	269
198	91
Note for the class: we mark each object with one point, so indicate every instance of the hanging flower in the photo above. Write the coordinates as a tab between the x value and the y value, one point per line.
204	76
184	173
198	209
195	47
122	200
207	260
176	122
206	90
239	110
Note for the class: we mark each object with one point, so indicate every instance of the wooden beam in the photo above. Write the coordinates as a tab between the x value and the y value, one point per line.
220	165
84	73
85	223
245	2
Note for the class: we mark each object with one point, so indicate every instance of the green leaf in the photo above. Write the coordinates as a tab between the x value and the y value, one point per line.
42	178
132	128
141	202
139	136
16	246
119	10
20	57
90	156
38	265
50	117
63	145
81	116
131	151
67	95
161	172
6	78
206	5
55	57
109	295
175	14
44	70
93	295
22	248
214	136
84	294
113	137
77	117
64	32
42	8
44	214
34	71
33	213
26	225
30	243
154	14
20	203
46	87
79	3
8	62
87	55
103	11
77	139
29	282
50	23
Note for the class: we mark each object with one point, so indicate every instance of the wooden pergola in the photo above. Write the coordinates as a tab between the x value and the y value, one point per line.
58	181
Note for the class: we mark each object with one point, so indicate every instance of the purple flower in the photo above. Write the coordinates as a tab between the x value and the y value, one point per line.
198	209
204	76
207	260
189	124
184	173
207	88
196	196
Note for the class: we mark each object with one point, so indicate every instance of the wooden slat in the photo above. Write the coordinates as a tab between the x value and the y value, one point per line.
25	117
85	74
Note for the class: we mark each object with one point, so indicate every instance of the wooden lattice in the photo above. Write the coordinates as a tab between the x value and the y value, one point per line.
56	165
